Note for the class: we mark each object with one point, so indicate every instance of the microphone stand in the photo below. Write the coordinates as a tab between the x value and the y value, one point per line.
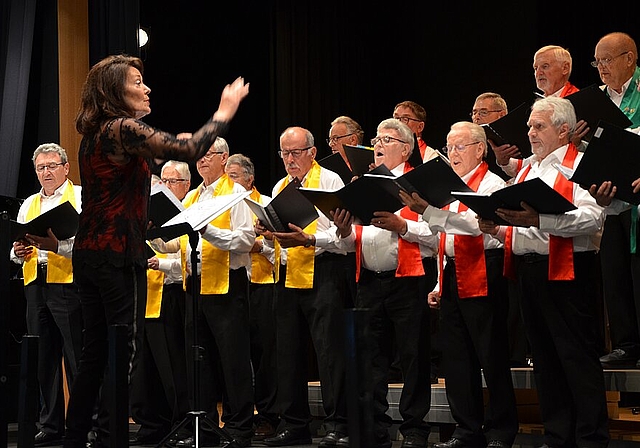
197	415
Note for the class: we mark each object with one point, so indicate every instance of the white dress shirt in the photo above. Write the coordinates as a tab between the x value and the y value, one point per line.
326	232
582	224
463	223
380	246
65	247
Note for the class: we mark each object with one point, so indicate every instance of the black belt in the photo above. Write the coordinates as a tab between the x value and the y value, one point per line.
488	253
382	274
533	257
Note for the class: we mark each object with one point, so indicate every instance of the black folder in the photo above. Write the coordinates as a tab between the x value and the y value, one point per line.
336	163
592	105
379	190
288	206
360	158
613	154
511	128
535	192
362	197
434	181
62	219
161	207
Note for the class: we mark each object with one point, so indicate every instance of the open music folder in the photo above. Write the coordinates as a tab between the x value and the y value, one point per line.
379	190
613	154
62	219
288	206
196	216
512	129
592	105
535	192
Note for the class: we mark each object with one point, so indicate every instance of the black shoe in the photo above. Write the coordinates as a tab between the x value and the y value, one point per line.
288	438
498	444
383	441
335	438
618	358
206	440
46	439
144	439
414	441
451	443
263	430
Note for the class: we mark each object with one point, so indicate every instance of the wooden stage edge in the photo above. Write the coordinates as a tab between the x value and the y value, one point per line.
624	424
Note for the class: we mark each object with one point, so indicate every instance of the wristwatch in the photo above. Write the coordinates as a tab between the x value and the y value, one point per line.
309	242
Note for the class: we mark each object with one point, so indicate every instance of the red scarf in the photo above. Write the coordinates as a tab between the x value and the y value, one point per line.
560	248
568	89
409	257
471	267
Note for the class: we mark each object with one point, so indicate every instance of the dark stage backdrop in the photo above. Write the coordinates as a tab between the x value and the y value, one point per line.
309	62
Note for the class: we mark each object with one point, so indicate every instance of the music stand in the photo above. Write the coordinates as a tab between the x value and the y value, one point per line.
196	415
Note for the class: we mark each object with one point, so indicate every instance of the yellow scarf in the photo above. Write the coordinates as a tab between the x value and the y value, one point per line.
155	283
261	267
215	262
59	268
300	260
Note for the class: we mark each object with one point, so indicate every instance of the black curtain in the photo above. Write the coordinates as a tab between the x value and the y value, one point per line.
18	19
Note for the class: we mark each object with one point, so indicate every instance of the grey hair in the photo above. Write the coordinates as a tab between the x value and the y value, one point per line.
561	54
243	162
47	148
561	109
180	167
352	126
406	134
220	144
475	130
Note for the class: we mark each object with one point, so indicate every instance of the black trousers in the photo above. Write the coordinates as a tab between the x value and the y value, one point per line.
621	283
54	315
160	396
318	313
223	333
474	341
109	295
263	351
561	326
398	311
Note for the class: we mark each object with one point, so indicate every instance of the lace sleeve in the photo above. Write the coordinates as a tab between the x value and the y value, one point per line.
135	137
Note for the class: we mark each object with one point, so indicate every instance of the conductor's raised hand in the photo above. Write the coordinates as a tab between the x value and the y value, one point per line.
230	99
636	185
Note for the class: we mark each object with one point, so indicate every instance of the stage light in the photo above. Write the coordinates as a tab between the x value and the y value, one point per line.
143	37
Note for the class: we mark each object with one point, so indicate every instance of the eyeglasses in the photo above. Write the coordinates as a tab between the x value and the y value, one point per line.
458	148
606	62
405	120
210	155
293	152
482	112
332	140
51	166
384	139
173	181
